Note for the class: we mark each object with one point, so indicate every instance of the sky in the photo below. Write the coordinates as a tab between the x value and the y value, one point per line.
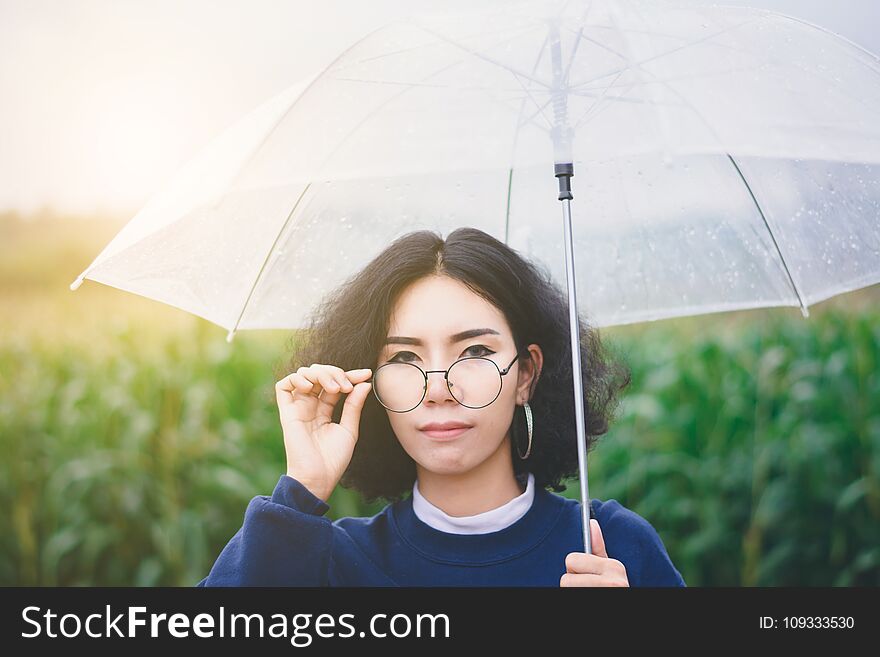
101	101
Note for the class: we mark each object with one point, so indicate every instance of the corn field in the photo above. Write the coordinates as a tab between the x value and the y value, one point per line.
133	437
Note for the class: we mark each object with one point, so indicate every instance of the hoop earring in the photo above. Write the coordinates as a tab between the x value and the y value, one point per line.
528	411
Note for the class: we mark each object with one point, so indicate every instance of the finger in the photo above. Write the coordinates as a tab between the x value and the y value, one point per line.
337	375
354	404
328	381
578	579
291	385
357	376
348	379
286	384
302	386
321	377
330	398
345	385
597	541
290	393
334	383
323	381
583	563
311	376
588	579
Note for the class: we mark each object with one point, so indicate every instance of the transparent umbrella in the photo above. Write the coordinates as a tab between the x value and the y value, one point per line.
726	158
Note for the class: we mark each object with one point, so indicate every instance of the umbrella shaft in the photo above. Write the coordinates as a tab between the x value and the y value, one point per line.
576	372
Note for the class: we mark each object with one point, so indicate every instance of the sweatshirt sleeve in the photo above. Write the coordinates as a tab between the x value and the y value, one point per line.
657	568
285	540
661	571
634	540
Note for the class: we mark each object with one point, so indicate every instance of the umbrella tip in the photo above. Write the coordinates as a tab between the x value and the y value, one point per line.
805	312
230	335
75	285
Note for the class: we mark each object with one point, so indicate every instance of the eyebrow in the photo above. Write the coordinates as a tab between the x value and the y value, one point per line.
458	337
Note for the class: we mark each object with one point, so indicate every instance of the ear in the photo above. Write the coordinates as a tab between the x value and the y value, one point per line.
529	370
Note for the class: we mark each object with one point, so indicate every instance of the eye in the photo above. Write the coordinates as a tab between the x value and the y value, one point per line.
400	357
480	349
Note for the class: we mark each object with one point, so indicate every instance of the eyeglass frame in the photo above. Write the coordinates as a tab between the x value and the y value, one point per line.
425	373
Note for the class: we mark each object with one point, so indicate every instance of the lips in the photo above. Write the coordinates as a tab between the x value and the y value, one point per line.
444	426
444	430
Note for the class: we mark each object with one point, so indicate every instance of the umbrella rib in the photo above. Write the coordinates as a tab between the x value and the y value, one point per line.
803	69
597	101
690	76
742	177
266	261
519	122
577	42
507	211
567	68
295	102
407	87
632	64
540	107
832	34
765	13
623	99
672	89
794	286
421	45
480	55
540	111
422	84
384	103
791	280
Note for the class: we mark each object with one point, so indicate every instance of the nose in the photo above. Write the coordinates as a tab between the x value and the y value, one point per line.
437	390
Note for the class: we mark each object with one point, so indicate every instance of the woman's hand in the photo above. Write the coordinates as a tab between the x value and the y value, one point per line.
582	569
318	450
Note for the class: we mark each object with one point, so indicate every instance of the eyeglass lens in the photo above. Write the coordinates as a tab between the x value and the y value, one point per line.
473	382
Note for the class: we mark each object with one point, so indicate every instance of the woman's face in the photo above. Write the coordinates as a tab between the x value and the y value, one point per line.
425	318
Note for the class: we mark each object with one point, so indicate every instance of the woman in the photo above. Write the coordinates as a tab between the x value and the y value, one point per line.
471	412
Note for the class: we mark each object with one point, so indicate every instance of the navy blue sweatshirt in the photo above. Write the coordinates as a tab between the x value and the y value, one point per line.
286	541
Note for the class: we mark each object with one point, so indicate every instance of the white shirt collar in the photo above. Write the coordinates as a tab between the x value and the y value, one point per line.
492	520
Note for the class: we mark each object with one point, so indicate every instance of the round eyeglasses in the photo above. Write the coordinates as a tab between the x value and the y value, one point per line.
473	382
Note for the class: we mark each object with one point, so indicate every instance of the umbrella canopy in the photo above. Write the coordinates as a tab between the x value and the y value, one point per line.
725	157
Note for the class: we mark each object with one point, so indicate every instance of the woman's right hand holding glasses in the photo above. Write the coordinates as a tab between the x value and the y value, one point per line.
318	449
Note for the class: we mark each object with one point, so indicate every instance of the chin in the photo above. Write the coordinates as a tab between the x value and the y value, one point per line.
452	462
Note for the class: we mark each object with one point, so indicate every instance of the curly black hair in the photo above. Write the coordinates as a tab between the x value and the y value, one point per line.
349	326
